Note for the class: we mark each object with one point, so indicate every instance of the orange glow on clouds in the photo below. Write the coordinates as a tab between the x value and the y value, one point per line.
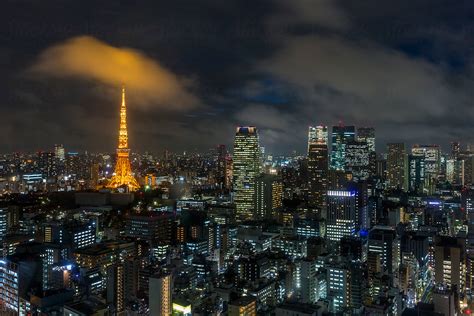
89	58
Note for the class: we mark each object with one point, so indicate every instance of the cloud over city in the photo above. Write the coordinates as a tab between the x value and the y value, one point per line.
89	58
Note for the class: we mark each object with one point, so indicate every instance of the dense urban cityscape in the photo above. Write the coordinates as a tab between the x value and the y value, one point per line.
339	230
236	158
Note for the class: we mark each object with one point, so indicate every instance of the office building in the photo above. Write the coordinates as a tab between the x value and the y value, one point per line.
367	135
246	167
3	222
222	166
9	286
318	165
153	226
358	160
397	166
47	164
317	135
74	234
338	286
450	262
268	196
341	135
431	155
383	241
416	174
341	214
59	152
309	281
294	247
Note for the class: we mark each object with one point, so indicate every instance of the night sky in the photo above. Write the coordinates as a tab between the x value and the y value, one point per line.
196	69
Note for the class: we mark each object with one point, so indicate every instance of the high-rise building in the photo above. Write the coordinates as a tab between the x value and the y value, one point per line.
416	174
160	290
358	160
268	196
77	166
9	286
155	226
450	262
341	214
59	152
367	134
73	234
338	286
341	135
47	164
309	281
318	165
455	150
466	171
122	284
317	135
397	166
454	171
432	156
221	168
123	175
116	288
246	167
383	241
3	222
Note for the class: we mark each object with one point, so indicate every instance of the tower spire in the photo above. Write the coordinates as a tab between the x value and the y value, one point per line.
123	171
123	95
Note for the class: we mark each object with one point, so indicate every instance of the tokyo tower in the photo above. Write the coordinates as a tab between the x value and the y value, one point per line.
123	172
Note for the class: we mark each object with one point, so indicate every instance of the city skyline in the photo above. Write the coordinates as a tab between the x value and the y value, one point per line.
381	148
237	158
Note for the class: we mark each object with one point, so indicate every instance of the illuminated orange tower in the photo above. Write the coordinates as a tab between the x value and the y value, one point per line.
123	171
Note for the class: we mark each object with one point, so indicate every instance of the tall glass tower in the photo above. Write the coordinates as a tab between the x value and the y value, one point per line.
246	168
317	165
341	136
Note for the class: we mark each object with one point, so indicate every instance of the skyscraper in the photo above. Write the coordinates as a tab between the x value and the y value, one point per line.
246	167
59	152
115	288
432	158
160	289
416	174
317	135
123	172
341	135
268	195
318	165
357	160
367	134
47	164
221	168
397	166
455	150
341	214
